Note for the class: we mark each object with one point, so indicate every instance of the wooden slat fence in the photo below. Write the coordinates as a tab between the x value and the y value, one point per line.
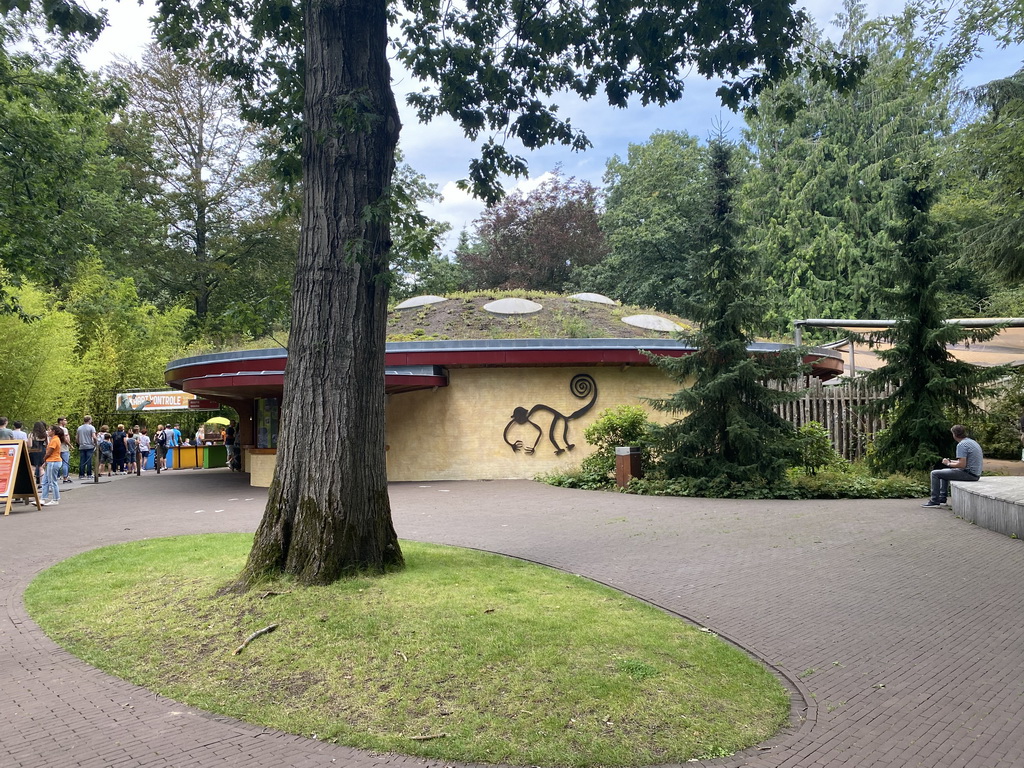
840	408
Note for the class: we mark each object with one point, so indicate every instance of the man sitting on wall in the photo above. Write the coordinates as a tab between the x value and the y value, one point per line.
966	466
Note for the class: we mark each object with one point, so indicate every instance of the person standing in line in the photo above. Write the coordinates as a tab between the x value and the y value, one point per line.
37	449
20	434
133	450
52	462
65	451
229	443
161	446
144	443
85	436
106	454
173	441
6	433
120	450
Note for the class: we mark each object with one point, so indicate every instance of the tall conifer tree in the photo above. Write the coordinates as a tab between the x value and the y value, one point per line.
929	385
730	434
821	194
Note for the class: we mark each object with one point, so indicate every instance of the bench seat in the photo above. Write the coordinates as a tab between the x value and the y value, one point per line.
995	503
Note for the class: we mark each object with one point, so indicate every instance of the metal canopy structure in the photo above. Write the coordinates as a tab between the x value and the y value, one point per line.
1006	348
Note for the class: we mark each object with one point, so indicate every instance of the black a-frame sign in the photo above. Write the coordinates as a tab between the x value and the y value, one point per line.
17	481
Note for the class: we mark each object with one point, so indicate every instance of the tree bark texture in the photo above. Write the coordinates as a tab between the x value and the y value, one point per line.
328	513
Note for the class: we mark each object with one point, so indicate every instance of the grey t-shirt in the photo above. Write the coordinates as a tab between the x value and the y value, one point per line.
969	449
86	435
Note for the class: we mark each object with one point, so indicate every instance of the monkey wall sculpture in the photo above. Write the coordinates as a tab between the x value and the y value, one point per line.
582	386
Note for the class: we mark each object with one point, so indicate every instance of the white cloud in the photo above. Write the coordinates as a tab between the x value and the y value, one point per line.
458	208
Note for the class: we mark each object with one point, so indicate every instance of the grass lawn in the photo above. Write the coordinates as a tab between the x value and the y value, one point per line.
461	656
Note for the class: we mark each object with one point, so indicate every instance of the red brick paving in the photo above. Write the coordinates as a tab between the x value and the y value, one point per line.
897	627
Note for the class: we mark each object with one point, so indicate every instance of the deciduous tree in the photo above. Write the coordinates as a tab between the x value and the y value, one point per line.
656	201
124	342
65	193
212	194
416	259
492	67
536	239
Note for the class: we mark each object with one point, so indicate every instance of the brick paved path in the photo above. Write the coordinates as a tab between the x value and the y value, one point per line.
898	626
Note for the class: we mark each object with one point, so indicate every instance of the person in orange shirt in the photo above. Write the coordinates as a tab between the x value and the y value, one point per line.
51	466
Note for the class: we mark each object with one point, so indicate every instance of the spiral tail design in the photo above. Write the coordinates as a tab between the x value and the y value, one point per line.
583	385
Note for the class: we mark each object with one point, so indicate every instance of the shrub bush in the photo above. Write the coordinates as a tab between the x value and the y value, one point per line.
847	482
624	425
577	478
997	428
816	451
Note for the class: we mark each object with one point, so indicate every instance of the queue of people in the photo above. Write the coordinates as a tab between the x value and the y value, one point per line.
121	451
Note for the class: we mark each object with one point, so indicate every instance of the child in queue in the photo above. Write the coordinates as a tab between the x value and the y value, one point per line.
106	453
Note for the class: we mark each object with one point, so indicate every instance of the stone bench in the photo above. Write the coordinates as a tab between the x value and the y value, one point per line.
995	503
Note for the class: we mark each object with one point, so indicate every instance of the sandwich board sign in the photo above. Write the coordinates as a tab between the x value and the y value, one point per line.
17	481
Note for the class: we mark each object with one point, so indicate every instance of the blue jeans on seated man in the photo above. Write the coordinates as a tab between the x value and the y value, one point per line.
940	482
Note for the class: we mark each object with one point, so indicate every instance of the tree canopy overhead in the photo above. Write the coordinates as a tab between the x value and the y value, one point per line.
494	67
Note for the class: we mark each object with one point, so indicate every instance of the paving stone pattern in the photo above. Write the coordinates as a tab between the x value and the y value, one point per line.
898	628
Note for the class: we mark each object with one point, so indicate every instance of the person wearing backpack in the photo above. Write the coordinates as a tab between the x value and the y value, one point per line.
161	447
37	441
106	453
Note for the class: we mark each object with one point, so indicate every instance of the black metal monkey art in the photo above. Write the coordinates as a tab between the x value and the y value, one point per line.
582	386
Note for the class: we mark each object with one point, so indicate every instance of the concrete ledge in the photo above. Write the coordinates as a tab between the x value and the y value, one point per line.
995	503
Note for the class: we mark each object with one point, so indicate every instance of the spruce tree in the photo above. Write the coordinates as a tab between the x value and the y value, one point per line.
930	386
730	441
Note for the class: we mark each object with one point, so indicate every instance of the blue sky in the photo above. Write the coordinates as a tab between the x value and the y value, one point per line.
442	154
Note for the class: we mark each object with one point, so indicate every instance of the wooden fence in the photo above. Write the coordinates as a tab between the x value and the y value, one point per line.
840	408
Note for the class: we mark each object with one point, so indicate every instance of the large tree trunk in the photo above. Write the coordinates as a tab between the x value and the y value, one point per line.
328	513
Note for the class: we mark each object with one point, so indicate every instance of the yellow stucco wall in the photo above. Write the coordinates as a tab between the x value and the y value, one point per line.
456	432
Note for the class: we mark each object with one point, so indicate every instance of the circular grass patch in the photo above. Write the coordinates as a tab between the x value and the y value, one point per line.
461	656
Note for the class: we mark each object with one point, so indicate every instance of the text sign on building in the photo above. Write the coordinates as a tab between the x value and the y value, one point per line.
165	400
